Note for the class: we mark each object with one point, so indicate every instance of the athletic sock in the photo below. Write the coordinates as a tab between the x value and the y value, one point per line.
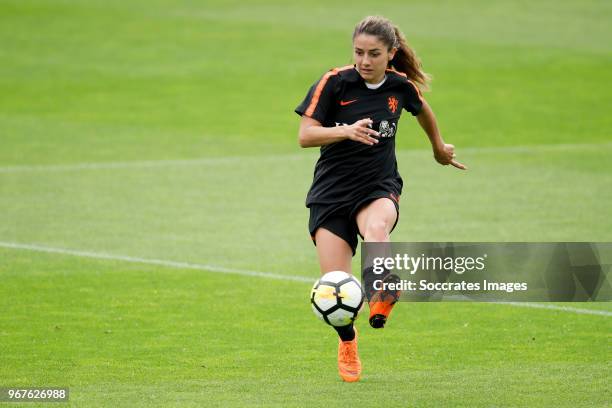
368	277
346	333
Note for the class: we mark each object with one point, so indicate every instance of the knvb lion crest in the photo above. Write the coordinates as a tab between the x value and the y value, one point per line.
392	103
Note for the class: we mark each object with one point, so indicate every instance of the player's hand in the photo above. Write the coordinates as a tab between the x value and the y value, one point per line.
360	131
446	155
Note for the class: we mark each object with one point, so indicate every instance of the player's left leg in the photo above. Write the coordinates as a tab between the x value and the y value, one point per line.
376	219
375	222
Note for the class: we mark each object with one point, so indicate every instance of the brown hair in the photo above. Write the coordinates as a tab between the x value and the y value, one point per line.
405	59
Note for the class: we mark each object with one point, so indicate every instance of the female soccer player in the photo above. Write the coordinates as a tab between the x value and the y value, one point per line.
352	114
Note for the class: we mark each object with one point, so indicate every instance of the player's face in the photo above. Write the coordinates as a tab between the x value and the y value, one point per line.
371	57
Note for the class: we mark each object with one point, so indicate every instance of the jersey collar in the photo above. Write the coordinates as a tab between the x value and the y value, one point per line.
353	76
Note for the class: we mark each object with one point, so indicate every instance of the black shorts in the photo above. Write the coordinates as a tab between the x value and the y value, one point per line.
341	219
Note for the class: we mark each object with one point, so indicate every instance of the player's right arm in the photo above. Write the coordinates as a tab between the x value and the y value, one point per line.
313	134
315	110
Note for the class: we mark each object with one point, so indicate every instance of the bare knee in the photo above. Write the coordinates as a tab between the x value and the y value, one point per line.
376	220
376	231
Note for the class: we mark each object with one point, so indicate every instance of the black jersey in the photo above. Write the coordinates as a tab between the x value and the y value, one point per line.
347	170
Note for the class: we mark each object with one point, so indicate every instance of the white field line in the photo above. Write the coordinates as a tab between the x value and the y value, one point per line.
149	261
150	163
560	308
281	157
534	148
244	272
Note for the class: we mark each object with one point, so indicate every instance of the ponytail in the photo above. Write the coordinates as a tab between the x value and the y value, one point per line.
405	59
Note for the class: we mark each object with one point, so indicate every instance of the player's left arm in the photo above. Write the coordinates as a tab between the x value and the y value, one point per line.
444	153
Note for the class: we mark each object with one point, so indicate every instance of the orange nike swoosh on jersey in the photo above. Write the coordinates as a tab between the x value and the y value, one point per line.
344	103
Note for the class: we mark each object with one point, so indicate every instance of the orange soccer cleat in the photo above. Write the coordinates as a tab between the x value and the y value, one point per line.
382	303
349	365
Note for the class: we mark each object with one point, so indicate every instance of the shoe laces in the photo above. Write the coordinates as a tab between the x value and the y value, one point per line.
348	352
385	297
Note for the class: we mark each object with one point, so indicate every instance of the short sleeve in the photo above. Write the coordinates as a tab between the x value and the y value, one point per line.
413	100
320	98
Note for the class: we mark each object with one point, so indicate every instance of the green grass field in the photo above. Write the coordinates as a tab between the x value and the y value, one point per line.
148	147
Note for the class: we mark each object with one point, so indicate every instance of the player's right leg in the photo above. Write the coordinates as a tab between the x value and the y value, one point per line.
335	254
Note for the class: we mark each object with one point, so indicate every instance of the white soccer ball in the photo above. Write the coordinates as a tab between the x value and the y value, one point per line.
336	298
